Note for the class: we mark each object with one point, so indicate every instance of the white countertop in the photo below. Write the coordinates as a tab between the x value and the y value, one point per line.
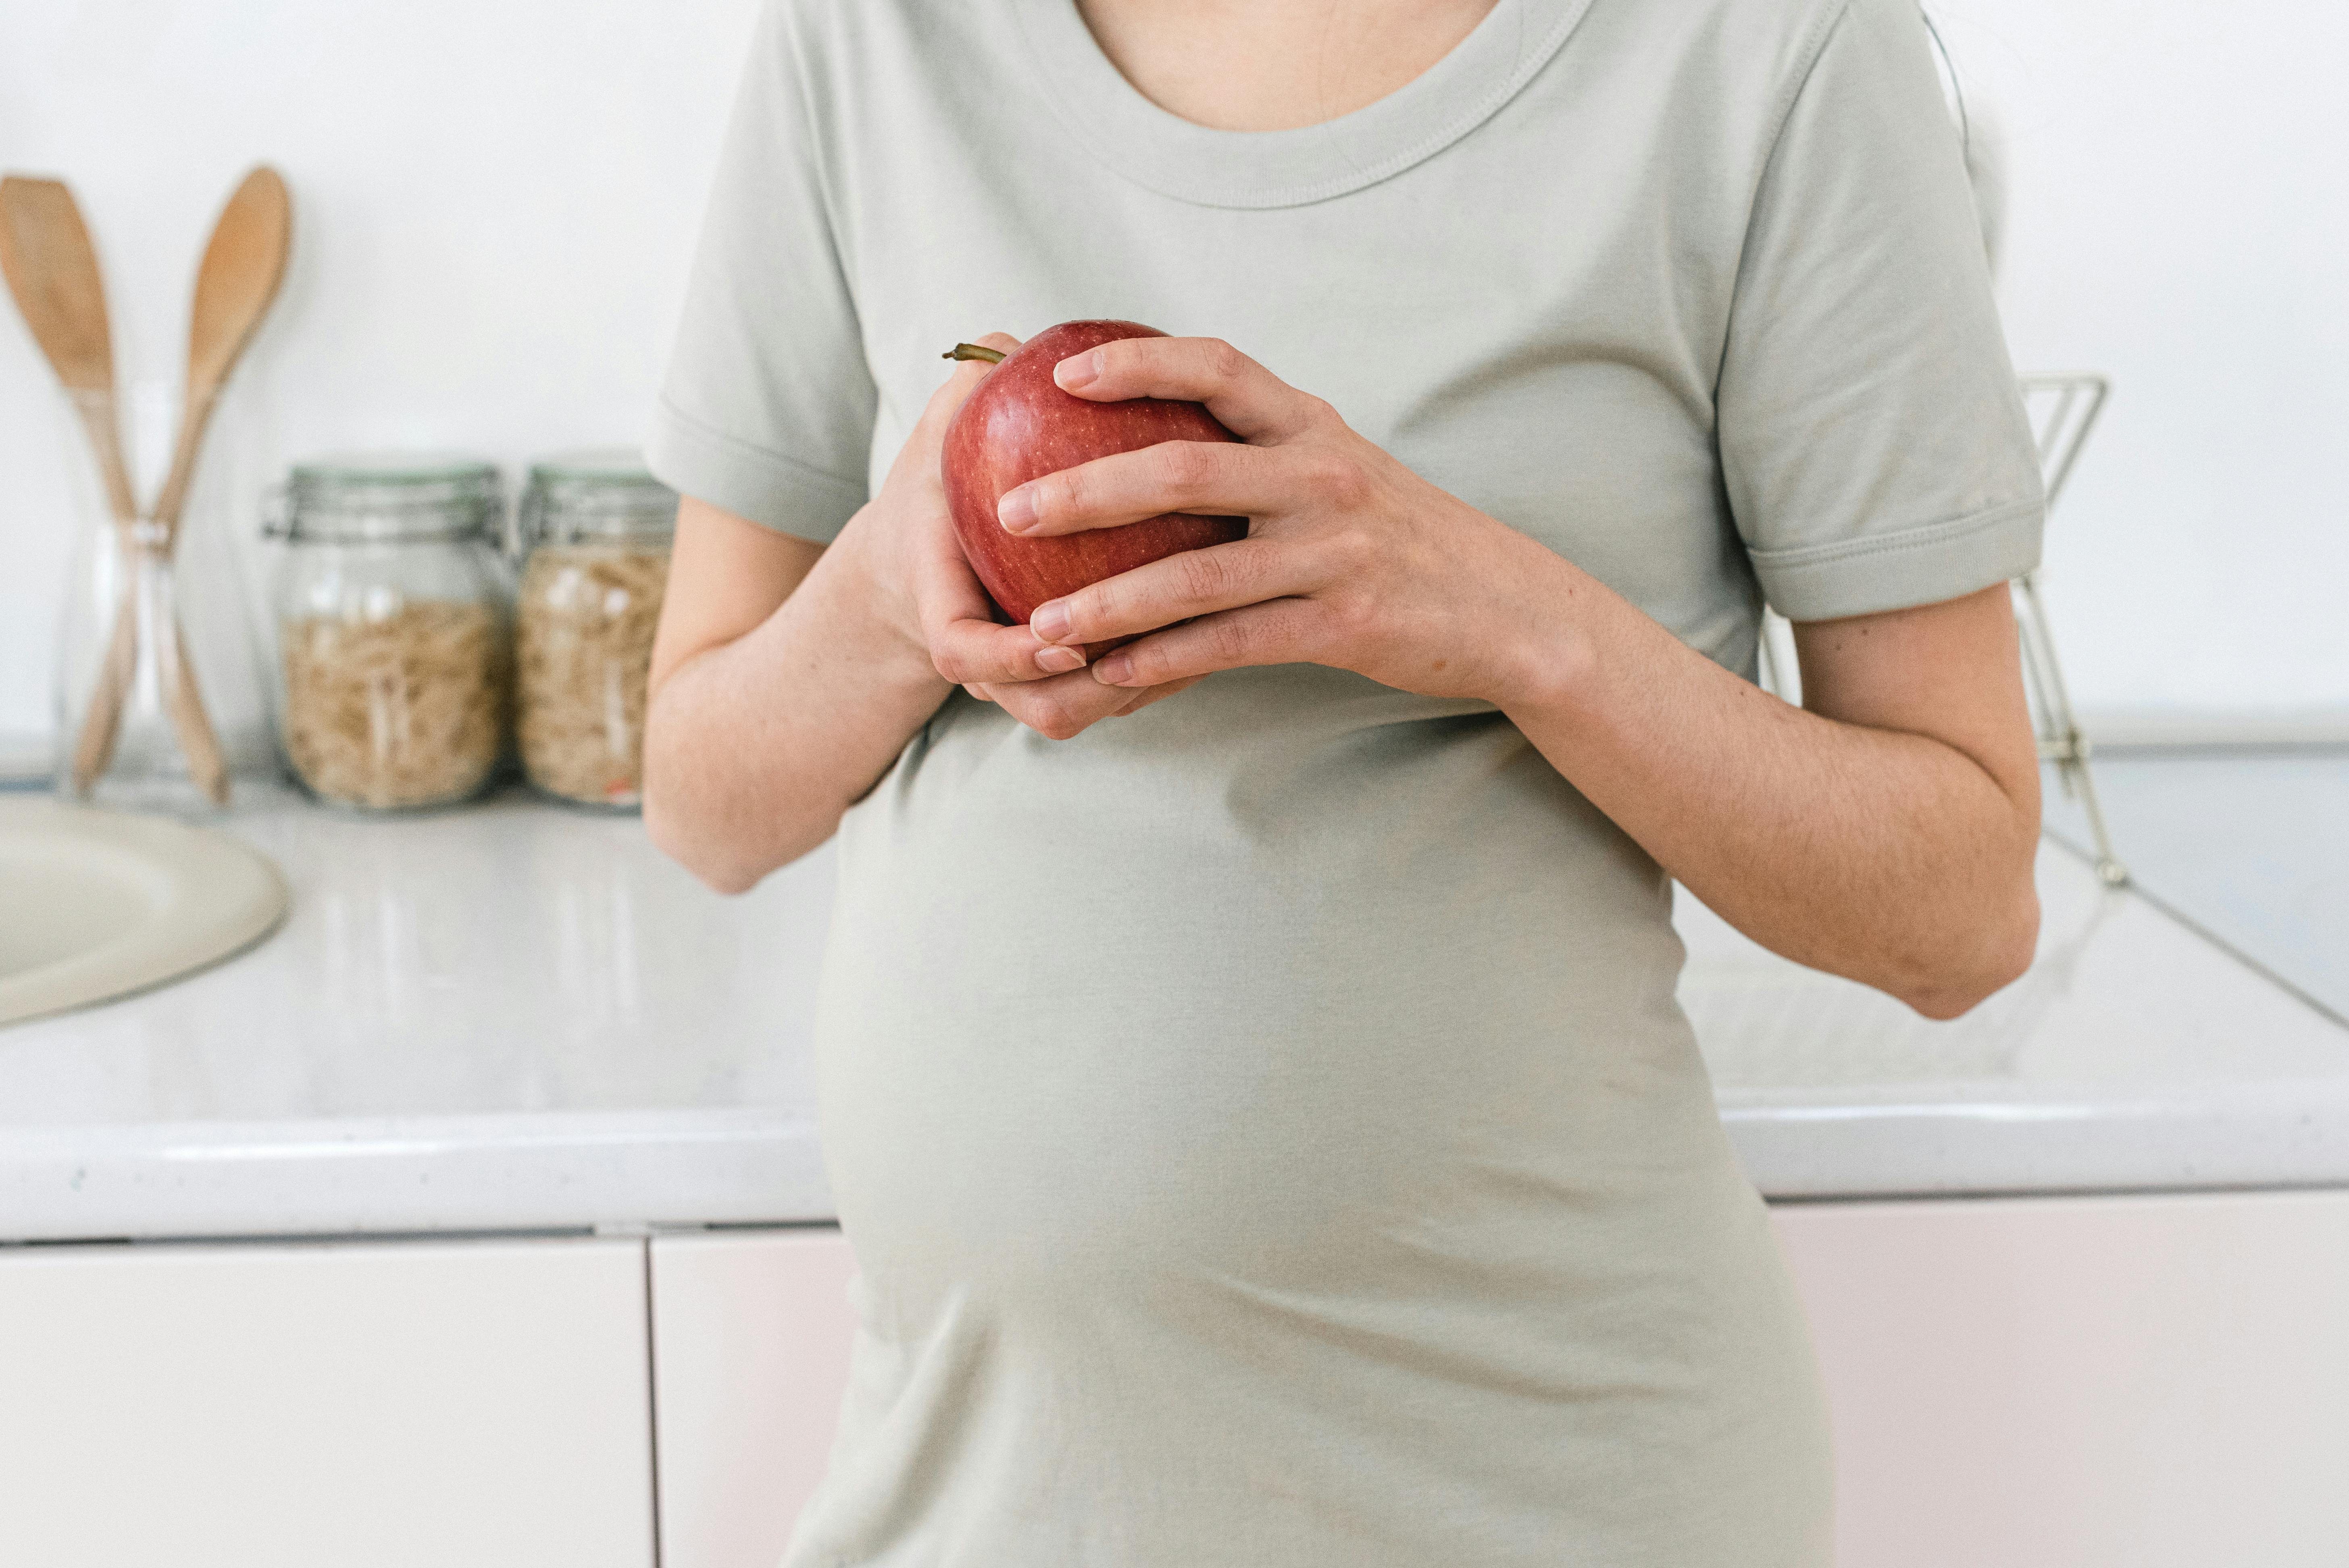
520	1017
2251	846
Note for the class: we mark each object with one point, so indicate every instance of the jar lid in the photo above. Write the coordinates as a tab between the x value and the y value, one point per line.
600	494
390	497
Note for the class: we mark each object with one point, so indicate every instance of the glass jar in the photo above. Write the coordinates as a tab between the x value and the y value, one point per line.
595	530
393	650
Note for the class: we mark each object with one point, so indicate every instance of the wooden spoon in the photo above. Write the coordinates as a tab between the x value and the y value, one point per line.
238	279
52	269
244	264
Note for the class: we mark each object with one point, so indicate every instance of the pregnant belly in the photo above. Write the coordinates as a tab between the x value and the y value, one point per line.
1259	975
1258	1074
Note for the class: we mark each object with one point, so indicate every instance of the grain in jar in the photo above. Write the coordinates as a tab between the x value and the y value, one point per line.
393	640
596	529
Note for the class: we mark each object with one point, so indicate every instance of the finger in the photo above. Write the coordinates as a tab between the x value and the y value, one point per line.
1136	700
972	651
1280	633
1252	402
968	373
1155	694
1062	707
963	381
1194	583
1216	478
946	589
958	627
930	430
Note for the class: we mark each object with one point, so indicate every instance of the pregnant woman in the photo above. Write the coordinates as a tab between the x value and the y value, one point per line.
1250	1071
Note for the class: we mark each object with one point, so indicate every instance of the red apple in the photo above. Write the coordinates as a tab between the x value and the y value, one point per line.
1018	426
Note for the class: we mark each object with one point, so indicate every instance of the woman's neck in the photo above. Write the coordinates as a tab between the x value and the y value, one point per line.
1275	65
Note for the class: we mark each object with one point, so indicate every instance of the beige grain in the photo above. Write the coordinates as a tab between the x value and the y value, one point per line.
585	641
398	709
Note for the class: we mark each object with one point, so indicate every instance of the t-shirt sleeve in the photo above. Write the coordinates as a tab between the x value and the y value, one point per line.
1873	442
767	410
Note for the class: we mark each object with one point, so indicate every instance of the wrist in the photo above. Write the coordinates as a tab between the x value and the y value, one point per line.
865	607
1551	664
873	585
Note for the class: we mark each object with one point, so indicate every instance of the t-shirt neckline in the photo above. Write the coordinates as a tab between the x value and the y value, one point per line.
1110	118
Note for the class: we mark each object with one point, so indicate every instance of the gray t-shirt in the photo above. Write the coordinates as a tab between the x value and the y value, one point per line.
1265	1123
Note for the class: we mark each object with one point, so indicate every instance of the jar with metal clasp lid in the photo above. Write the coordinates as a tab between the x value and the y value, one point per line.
394	639
595	529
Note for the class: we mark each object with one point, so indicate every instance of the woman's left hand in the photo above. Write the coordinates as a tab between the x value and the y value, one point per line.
1897	823
1352	560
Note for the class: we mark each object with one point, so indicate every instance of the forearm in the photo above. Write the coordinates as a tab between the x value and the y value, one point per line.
754	748
1890	858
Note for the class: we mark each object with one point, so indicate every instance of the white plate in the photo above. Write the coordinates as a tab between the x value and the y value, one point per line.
95	904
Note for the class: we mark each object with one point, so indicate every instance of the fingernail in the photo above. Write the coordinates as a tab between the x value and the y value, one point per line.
1079	370
1017	510
1114	670
1059	661
1050	622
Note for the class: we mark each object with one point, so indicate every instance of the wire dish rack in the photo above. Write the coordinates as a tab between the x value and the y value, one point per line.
2063	409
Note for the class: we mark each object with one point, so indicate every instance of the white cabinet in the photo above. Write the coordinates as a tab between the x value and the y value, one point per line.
751	1339
392	1404
2141	1382
2124	1382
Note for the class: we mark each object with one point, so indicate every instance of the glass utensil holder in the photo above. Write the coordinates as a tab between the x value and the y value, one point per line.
157	703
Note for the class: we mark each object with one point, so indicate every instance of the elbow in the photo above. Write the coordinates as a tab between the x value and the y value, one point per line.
674	834
696	832
678	807
729	846
1969	972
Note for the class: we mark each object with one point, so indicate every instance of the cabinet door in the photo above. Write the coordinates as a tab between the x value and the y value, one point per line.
751	1338
386	1404
2154	1382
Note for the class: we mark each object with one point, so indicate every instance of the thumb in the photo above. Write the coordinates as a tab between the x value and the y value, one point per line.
920	453
968	373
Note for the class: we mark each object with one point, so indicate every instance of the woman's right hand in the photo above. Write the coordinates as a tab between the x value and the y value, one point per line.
935	602
788	677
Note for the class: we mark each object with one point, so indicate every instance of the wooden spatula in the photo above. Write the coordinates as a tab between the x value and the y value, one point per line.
244	264
235	285
52	269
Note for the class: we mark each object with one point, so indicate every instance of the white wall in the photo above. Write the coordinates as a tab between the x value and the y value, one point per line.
2179	219
494	203
495	200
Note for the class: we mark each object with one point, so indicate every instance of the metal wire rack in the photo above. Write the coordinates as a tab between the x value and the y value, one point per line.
2063	409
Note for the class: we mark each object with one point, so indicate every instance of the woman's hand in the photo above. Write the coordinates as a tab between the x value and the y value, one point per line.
937	603
1352	560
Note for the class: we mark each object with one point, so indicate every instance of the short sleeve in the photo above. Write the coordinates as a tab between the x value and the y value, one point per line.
1873	442
767	410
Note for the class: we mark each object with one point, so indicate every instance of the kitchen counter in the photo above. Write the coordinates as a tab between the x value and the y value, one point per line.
2251	847
509	1016
516	1017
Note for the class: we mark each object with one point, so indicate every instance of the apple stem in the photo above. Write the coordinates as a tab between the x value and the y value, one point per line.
972	351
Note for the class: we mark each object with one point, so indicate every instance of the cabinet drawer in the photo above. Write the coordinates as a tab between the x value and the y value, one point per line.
751	1331
2126	1382
386	1404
